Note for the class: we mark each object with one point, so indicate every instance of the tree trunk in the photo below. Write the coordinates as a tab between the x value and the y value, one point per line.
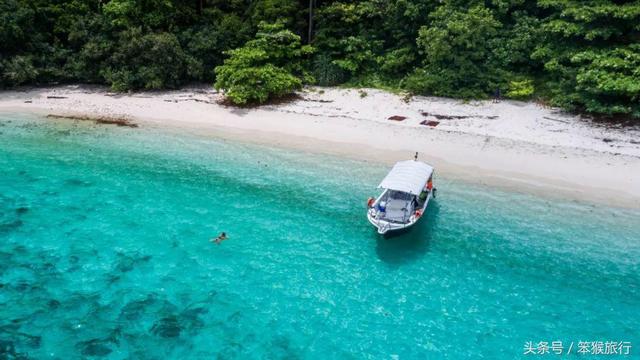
310	35
199	7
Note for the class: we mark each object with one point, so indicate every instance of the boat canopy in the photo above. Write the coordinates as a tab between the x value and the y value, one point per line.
409	176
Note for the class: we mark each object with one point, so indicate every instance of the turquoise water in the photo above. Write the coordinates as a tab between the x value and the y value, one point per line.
104	252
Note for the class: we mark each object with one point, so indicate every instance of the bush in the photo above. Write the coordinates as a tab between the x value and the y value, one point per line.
207	42
458	54
269	66
150	61
257	84
17	70
326	72
608	81
521	90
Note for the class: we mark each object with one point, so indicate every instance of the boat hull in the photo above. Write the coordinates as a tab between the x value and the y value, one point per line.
384	227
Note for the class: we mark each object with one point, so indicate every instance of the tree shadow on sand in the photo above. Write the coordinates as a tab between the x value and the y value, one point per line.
409	245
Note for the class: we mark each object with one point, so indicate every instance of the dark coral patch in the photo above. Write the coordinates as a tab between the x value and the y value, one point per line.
8	227
167	327
94	347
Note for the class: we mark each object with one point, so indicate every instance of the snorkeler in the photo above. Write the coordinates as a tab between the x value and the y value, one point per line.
222	237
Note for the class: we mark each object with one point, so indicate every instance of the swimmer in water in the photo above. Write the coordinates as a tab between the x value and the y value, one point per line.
222	237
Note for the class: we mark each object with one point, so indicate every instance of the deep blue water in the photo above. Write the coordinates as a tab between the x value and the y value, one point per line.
104	252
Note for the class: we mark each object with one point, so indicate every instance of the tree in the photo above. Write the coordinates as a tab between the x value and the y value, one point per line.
151	61
590	55
458	54
577	54
269	66
608	81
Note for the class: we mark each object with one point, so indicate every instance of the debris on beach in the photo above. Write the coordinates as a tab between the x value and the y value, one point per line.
318	100
445	117
458	117
397	118
431	123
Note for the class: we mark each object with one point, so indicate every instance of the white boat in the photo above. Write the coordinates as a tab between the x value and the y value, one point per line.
407	190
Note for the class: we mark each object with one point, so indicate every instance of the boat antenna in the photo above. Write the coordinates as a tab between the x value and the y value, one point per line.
415	157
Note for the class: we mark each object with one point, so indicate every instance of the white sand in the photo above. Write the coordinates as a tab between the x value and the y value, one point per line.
521	146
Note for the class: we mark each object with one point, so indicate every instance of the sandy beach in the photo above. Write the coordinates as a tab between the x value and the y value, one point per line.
515	145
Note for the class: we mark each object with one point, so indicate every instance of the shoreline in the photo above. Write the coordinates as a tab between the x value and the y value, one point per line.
509	145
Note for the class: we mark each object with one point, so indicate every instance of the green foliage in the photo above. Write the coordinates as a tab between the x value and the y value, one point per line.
207	41
269	66
583	55
590	55
608	81
325	72
17	70
286	12
152	61
16	25
457	52
396	62
521	89
123	43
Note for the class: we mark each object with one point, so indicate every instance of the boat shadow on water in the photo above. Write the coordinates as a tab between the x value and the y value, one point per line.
407	245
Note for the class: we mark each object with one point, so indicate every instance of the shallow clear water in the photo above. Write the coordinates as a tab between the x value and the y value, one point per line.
104	252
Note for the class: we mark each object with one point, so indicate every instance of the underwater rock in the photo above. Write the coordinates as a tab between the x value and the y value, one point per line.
151	305
41	268
190	318
114	336
127	263
234	317
134	309
22	210
48	269
5	256
7	227
7	349
20	249
32	341
231	350
281	348
77	182
192	312
12	331
94	347
11	327
167	327
281	342
53	304
22	286
111	279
